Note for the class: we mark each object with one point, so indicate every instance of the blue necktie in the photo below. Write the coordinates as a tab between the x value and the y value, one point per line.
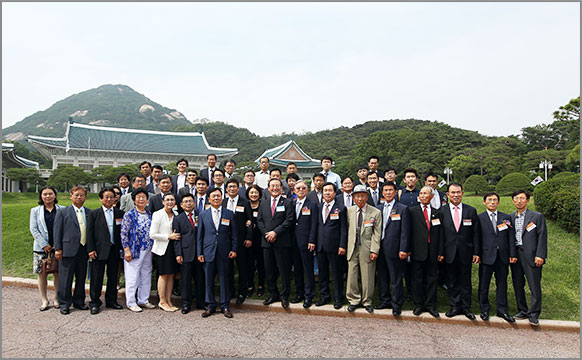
200	204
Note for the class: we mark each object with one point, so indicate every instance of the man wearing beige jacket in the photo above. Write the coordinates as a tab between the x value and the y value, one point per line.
364	235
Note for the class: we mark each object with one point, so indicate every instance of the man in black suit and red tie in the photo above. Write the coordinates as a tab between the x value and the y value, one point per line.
103	247
275	221
497	252
462	249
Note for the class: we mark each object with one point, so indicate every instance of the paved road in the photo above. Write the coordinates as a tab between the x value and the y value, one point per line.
154	333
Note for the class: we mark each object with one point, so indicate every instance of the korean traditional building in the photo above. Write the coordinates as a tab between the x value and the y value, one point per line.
288	152
11	160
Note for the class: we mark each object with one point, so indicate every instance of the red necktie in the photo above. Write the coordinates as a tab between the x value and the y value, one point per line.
191	221
427	222
273	206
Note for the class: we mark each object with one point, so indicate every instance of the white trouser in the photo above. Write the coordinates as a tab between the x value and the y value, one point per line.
138	276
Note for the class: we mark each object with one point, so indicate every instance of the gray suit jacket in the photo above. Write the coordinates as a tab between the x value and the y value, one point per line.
535	242
67	232
126	202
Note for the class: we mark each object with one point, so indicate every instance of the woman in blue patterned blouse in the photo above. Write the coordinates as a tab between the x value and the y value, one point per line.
137	247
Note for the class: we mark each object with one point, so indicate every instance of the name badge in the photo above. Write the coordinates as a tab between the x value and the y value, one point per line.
333	216
118	221
395	217
206	206
255	213
502	227
305	212
436	222
240	209
196	222
467	222
530	226
225	222
280	208
368	223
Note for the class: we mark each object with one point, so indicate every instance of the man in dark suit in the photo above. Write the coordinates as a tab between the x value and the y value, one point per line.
229	166
217	244
70	236
344	197
275	221
316	195
362	174
186	224
154	187
208	172
374	193
531	239
393	250
179	180
332	243
190	187
373	164
242	216
497	252
201	198
155	202
248	180
462	249
305	234
276	174
104	246
146	169
439	199
426	249
218	181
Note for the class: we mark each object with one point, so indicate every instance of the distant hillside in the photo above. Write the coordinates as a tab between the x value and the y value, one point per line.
107	105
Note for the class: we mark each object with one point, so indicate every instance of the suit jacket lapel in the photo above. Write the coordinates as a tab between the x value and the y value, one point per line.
41	217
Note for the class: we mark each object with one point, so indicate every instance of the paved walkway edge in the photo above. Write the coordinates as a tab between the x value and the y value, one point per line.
328	310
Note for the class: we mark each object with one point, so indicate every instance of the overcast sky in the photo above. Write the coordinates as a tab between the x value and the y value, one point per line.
283	67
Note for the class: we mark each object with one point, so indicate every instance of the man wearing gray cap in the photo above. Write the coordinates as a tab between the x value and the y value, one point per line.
364	234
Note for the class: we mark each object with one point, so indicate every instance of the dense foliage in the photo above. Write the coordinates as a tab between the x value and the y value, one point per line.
559	199
476	184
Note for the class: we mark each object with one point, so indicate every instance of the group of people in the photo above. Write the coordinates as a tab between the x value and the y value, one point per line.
362	231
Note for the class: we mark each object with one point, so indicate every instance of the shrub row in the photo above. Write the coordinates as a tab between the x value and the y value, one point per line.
559	200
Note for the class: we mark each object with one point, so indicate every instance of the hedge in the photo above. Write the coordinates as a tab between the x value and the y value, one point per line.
559	199
513	181
477	184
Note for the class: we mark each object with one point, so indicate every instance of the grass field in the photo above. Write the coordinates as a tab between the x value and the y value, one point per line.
560	281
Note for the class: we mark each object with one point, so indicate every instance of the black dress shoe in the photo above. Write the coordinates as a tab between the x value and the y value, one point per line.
452	312
208	312
260	291
284	303
506	317
65	311
81	307
94	310
469	314
484	316
185	309
270	300
240	299
337	305
434	313
417	311
322	302
533	320
250	291
307	303
297	299
353	308
115	306
369	308
520	315
396	312
383	306
227	313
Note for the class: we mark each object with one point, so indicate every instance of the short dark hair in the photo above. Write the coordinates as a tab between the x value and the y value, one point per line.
145	162
182	160
187	195
201	178
159	167
122	175
164	176
274	179
292	176
347	177
167	194
520	191
213	189
373	157
329	183
264	157
137	191
372	173
40	202
190	170
250	171
257	187
231	181
218	170
389	168
361	167
276	170
106	189
492	193
209	155
431	174
327	158
454	184
387	183
291	163
318	175
77	188
229	161
410	170
138	176
115	186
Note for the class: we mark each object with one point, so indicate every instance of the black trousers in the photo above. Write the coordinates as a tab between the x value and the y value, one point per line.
96	282
520	271
324	261
424	289
298	270
193	271
68	267
256	264
278	259
243	263
485	273
384	277
459	284
307	260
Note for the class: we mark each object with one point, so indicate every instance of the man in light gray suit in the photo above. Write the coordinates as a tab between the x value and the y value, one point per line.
126	202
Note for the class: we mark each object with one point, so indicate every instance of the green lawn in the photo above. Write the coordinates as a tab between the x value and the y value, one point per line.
560	281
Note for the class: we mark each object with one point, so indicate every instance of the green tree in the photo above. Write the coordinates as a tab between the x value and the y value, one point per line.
476	183
110	174
463	166
511	182
573	159
66	177
26	175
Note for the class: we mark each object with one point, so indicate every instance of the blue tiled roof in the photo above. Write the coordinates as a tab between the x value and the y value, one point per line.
81	136
273	153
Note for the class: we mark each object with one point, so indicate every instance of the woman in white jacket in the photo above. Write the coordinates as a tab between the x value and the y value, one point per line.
41	228
164	255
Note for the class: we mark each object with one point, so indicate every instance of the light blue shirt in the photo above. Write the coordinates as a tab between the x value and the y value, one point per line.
386	213
333	178
109	219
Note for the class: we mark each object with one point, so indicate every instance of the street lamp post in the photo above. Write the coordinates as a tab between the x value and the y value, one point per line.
546	165
448	171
